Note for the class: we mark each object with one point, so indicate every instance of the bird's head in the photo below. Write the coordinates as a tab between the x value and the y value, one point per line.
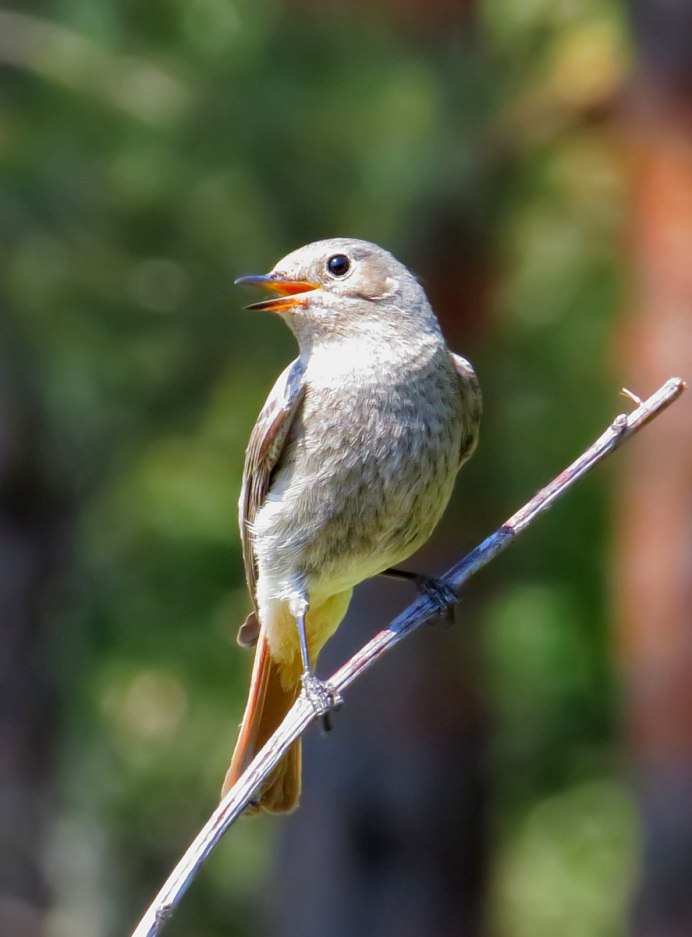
342	286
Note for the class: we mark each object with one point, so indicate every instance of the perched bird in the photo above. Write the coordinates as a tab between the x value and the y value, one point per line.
348	469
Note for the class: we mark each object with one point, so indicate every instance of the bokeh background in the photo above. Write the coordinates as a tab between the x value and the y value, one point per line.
526	772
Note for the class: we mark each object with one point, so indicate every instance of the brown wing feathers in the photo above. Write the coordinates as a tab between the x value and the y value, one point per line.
261	459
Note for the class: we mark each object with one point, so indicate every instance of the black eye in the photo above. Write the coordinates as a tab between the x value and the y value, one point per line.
338	265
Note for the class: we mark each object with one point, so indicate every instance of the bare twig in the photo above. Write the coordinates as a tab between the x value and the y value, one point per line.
419	613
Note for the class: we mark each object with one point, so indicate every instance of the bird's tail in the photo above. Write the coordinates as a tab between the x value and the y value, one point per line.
273	690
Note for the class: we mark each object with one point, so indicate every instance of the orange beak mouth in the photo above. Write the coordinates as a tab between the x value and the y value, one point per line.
291	292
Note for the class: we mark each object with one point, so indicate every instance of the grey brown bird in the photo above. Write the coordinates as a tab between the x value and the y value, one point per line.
349	467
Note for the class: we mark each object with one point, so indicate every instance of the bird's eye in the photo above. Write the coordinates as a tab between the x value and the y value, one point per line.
338	265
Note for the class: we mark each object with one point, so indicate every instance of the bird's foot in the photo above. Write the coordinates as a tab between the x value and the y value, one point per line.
439	593
322	697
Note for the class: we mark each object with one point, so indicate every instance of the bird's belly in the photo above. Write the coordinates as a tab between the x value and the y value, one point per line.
351	502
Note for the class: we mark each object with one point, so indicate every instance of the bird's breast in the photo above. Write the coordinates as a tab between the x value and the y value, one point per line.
367	471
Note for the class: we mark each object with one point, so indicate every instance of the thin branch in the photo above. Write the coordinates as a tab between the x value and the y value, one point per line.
418	613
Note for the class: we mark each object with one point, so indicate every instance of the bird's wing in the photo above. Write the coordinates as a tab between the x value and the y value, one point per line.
472	406
261	459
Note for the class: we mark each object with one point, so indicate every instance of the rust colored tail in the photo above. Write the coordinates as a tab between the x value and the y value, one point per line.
268	702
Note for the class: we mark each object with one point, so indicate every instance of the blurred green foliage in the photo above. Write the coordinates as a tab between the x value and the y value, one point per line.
149	153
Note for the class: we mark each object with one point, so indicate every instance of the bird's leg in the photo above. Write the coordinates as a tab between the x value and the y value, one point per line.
437	590
320	695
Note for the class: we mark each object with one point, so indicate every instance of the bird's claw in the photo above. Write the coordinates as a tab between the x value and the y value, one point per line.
439	593
323	698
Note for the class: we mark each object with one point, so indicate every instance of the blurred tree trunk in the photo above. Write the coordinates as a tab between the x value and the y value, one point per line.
391	831
32	525
654	533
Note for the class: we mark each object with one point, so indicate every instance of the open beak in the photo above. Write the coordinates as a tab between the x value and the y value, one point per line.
290	292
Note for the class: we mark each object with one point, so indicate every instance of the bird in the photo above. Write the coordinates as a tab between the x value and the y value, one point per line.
348	470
